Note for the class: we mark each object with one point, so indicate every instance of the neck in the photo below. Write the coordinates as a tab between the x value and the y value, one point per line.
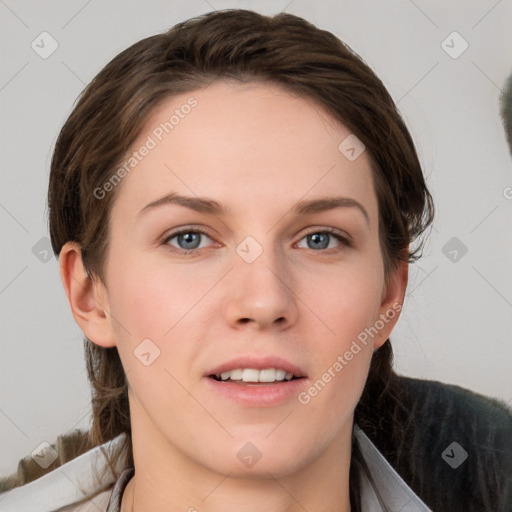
167	479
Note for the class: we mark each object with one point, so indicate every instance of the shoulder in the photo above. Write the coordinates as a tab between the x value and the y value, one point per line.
98	503
458	398
82	484
452	445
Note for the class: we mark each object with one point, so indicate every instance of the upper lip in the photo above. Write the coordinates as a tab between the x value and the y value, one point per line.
258	363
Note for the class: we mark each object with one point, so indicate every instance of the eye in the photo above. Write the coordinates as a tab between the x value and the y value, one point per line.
187	240
325	239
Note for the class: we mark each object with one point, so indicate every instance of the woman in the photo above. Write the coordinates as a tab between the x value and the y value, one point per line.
234	204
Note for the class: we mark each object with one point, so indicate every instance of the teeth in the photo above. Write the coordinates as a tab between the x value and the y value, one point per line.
233	375
280	374
253	375
250	375
268	375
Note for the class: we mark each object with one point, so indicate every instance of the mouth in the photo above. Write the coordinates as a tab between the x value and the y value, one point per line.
254	376
256	381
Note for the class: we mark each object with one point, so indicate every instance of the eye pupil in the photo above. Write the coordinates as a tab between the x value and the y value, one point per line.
318	241
189	240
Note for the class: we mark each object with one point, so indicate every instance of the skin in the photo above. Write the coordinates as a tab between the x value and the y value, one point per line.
257	149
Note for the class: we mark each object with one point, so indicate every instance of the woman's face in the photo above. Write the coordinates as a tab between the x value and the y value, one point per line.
244	239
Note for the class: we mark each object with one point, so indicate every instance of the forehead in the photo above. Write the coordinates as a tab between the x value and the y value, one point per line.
255	138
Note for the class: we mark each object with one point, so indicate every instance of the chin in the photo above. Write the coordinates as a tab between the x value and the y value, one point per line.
255	457
276	467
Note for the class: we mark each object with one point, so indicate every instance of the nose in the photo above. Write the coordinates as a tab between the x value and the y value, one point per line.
261	293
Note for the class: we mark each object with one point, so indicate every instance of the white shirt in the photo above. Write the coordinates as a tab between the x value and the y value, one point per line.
72	488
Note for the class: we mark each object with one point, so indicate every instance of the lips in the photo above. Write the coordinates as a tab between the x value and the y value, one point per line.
256	381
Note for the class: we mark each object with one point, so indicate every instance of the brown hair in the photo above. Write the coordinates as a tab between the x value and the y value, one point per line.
246	46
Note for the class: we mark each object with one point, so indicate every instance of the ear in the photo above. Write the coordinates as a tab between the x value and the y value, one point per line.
87	297
392	301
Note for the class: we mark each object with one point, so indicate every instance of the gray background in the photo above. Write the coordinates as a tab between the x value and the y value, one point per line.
457	323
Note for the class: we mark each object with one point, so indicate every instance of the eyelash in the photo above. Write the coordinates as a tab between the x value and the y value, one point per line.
182	232
344	240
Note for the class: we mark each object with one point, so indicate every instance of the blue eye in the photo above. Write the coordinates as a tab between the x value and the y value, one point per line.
187	241
190	241
320	240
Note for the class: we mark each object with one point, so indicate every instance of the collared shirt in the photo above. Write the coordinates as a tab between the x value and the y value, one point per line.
72	487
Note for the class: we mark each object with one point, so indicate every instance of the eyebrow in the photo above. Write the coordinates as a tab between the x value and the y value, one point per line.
199	204
204	205
330	203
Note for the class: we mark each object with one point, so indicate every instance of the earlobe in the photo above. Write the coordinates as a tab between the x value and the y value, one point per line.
87	297
392	301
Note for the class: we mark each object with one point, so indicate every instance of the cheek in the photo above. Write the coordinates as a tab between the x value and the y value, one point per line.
169	305
346	299
151	299
347	302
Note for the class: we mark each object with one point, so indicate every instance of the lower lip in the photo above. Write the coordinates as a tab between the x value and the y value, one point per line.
258	395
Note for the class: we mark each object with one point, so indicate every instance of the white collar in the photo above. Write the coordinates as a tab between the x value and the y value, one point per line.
383	490
66	485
